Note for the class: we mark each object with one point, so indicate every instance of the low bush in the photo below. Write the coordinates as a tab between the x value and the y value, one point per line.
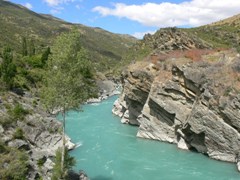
14	165
3	147
18	134
41	161
18	112
7	122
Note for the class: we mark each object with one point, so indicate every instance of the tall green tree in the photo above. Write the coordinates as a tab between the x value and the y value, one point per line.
69	80
31	48
69	162
8	68
45	55
24	47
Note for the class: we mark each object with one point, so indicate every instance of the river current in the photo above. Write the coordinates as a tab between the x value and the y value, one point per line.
109	150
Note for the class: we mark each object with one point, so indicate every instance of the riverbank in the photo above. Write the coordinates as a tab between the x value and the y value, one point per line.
107	88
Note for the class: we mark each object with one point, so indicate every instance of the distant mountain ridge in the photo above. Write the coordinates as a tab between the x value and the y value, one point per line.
106	49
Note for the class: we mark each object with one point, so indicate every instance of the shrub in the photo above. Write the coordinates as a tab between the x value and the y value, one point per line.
193	54
238	49
41	161
35	103
227	91
18	112
7	106
3	148
8	68
69	162
7	122
18	134
196	54
14	165
34	61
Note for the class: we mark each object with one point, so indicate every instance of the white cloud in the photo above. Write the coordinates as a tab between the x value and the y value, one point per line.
188	13
57	2
28	5
140	35
56	10
78	6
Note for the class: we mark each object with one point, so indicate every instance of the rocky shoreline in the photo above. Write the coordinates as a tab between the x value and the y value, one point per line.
107	88
189	104
41	131
40	134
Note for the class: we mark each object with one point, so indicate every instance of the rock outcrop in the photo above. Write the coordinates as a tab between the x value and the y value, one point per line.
41	134
137	84
106	89
169	39
195	105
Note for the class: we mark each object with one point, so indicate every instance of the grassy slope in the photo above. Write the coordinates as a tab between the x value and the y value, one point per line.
224	33
106	49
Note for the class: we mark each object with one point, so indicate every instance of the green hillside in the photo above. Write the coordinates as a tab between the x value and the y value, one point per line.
224	33
106	49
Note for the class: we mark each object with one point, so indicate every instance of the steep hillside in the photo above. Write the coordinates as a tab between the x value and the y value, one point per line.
231	21
106	49
224	33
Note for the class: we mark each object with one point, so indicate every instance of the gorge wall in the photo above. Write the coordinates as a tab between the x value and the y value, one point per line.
195	105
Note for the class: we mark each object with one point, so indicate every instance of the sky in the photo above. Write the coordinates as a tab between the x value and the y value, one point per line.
136	17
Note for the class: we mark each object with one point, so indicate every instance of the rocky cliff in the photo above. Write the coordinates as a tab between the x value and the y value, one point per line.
26	127
195	105
168	39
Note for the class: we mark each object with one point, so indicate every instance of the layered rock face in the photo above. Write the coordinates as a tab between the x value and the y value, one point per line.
137	84
195	105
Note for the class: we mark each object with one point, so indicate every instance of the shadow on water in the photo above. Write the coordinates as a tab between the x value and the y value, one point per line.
101	178
73	175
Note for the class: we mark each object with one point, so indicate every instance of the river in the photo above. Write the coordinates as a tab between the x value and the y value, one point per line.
109	150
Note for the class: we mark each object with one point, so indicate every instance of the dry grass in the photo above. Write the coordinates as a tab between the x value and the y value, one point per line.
192	54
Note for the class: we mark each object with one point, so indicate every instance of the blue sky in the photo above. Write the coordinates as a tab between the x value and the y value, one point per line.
136	17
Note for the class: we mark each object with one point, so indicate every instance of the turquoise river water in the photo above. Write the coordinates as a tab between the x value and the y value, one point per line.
109	150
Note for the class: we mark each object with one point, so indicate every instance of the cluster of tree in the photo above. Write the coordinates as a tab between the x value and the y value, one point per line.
29	54
8	69
18	71
28	48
